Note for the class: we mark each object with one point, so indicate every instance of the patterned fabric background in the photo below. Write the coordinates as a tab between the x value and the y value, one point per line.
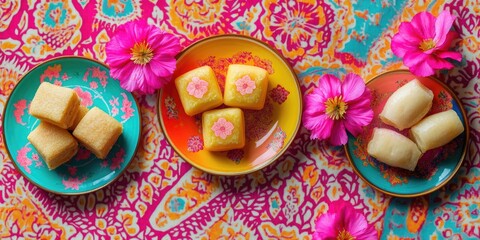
162	196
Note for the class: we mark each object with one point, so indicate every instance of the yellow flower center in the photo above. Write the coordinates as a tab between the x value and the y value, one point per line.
141	53
427	44
336	108
345	235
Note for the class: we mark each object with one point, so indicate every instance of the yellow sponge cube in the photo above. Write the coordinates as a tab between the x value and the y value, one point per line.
223	129
82	111
245	86
199	90
56	145
54	104
98	132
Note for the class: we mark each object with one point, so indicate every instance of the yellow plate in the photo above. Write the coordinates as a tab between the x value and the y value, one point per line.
269	131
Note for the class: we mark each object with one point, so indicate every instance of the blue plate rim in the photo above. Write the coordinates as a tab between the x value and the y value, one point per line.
455	170
15	164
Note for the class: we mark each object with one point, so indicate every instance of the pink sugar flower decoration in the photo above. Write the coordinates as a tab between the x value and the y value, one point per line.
197	87
245	85
336	106
424	43
142	57
345	223
222	128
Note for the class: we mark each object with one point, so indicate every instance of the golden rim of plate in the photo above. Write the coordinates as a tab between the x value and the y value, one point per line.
457	167
287	145
15	162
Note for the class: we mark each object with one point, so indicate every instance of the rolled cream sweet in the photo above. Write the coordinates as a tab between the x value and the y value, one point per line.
393	149
436	130
407	105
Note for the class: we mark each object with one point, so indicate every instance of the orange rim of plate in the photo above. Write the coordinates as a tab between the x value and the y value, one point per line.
272	159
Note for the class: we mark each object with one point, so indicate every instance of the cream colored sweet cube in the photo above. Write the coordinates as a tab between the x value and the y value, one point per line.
223	129
82	111
199	90
56	145
245	86
54	104
98	132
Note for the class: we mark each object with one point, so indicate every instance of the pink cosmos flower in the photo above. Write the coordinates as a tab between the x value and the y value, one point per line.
424	43
245	85
343	222
336	106
222	128
142	57
197	87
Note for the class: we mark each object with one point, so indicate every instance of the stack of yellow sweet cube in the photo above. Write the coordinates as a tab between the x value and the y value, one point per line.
59	110
245	88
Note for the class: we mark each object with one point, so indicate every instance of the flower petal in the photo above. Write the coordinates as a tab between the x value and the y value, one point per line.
165	44
448	41
326	226
144	78
407	39
338	135
122	73
315	101
319	125
359	114
132	81
153	81
452	55
358	226
422	69
408	33
418	64
163	67
363	117
439	63
442	27
414	58
116	52
424	23
124	36
139	30
314	118
352	87
401	44
329	86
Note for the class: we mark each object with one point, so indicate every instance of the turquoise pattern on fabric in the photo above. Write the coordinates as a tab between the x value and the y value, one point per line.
121	9
372	32
53	10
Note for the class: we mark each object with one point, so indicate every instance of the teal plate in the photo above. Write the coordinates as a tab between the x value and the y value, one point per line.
435	168
83	173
